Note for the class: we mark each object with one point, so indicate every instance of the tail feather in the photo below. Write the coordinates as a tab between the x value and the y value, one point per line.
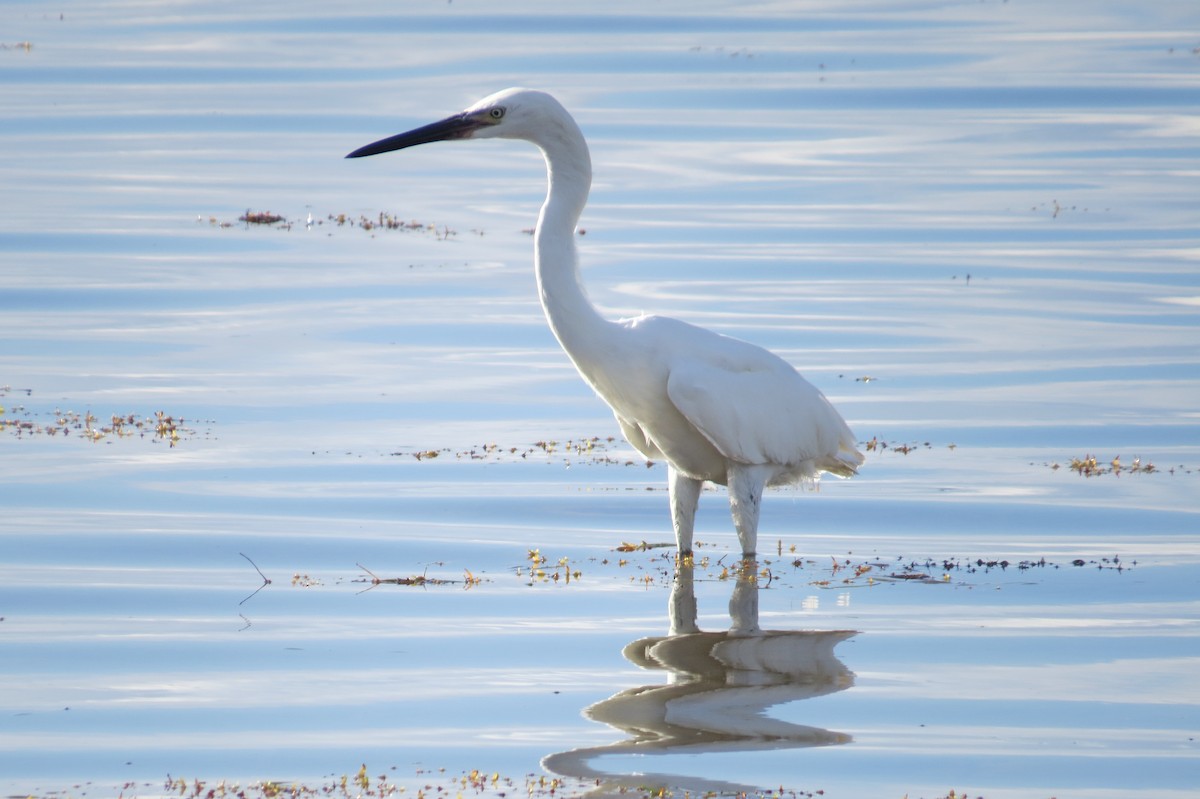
847	460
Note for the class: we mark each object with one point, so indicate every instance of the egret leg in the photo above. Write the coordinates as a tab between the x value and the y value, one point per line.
681	608
743	602
685	495
745	496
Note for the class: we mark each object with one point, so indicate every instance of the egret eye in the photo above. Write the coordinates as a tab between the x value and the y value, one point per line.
497	113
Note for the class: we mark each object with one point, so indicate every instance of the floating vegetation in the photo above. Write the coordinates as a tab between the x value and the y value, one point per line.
655	564
260	218
158	426
877	446
469	580
430	783
438	783
304	581
594	450
371	223
847	572
540	571
1087	466
642	547
1056	209
787	570
1092	466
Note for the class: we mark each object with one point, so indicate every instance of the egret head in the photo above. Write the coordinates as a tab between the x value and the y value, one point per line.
509	114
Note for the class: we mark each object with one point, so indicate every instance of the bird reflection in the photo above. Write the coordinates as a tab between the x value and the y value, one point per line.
719	686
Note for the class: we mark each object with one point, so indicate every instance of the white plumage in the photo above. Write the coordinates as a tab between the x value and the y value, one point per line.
713	407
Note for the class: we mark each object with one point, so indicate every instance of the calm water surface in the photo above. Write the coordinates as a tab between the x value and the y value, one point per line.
973	225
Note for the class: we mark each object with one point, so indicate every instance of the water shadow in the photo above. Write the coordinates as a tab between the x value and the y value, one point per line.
719	687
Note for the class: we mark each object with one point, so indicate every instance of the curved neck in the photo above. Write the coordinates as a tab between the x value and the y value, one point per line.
571	315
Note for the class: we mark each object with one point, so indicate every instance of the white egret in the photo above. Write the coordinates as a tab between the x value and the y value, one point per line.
713	407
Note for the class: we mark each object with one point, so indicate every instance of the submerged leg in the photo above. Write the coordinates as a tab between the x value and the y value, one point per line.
685	494
743	602
681	608
745	495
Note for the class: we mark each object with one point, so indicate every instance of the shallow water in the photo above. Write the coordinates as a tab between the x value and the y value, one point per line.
821	181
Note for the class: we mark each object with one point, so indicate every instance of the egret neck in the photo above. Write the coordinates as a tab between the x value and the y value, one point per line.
575	322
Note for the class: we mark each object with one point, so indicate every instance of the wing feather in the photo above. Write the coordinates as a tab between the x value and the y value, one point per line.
767	414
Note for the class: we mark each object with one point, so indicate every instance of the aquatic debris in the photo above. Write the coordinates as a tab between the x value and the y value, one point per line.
648	564
875	445
260	218
265	580
1091	466
642	547
825	572
747	571
1056	209
366	222
588	449
644	572
538	572
937	571
596	450
20	422
386	221
469	580
438	782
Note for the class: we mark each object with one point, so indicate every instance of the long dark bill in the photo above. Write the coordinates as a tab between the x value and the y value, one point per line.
455	127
